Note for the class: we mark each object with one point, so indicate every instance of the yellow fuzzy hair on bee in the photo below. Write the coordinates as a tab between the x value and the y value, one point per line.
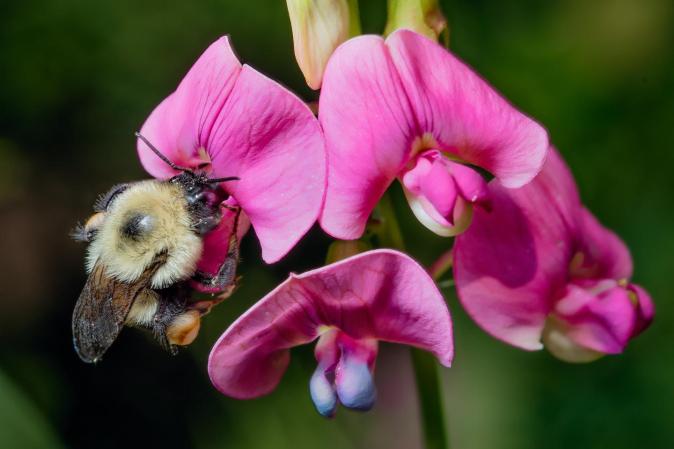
158	212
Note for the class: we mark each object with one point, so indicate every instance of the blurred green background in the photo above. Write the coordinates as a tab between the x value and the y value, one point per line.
78	77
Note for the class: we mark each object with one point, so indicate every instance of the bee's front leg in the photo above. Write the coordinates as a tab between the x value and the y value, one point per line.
224	280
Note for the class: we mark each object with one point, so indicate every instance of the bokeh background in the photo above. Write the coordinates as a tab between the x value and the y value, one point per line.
78	77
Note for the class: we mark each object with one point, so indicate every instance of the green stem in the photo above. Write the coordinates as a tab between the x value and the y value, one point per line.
354	18
441	265
388	231
425	366
430	400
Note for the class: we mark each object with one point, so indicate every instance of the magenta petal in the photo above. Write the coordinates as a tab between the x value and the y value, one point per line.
602	322
440	190
181	124
248	126
369	129
463	113
269	138
384	101
381	295
413	178
471	184
216	244
605	255
645	308
511	260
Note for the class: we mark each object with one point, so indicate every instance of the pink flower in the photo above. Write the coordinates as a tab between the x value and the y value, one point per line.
237	122
348	306
406	108
540	270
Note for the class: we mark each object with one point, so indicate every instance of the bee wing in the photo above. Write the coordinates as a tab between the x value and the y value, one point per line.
101	310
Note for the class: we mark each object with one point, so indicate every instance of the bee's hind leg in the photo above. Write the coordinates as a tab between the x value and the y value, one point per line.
173	324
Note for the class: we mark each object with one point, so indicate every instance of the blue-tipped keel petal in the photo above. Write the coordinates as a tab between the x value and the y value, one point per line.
323	393
355	385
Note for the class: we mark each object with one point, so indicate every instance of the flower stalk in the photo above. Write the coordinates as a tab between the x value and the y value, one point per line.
430	400
441	265
354	18
433	424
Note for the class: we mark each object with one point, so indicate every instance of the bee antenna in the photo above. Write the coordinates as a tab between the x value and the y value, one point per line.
229	178
160	155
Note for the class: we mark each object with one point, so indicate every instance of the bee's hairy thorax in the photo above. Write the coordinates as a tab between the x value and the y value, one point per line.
148	218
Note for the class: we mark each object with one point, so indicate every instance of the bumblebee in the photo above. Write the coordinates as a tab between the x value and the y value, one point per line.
144	241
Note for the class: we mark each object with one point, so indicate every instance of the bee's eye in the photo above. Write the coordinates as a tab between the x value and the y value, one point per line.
137	226
104	201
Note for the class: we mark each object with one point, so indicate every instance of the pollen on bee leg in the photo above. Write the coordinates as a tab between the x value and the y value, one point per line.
95	220
184	328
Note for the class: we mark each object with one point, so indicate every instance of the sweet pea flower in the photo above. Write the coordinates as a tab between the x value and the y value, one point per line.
539	270
348	307
405	108
230	120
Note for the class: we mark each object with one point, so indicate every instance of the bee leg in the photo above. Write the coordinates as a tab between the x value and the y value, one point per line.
170	310
184	328
225	279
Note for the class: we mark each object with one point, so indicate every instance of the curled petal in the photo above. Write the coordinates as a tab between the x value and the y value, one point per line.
383	101
382	295
645	308
269	138
244	125
471	184
439	187
431	193
512	259
441	193
604	254
426	213
464	114
216	243
601	322
182	123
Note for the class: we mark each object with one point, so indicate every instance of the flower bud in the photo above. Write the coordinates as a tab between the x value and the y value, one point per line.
318	26
422	16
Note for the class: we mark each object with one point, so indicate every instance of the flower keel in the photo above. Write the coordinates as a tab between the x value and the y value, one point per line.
441	193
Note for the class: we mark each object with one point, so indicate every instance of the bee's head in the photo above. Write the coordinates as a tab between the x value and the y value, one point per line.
199	189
